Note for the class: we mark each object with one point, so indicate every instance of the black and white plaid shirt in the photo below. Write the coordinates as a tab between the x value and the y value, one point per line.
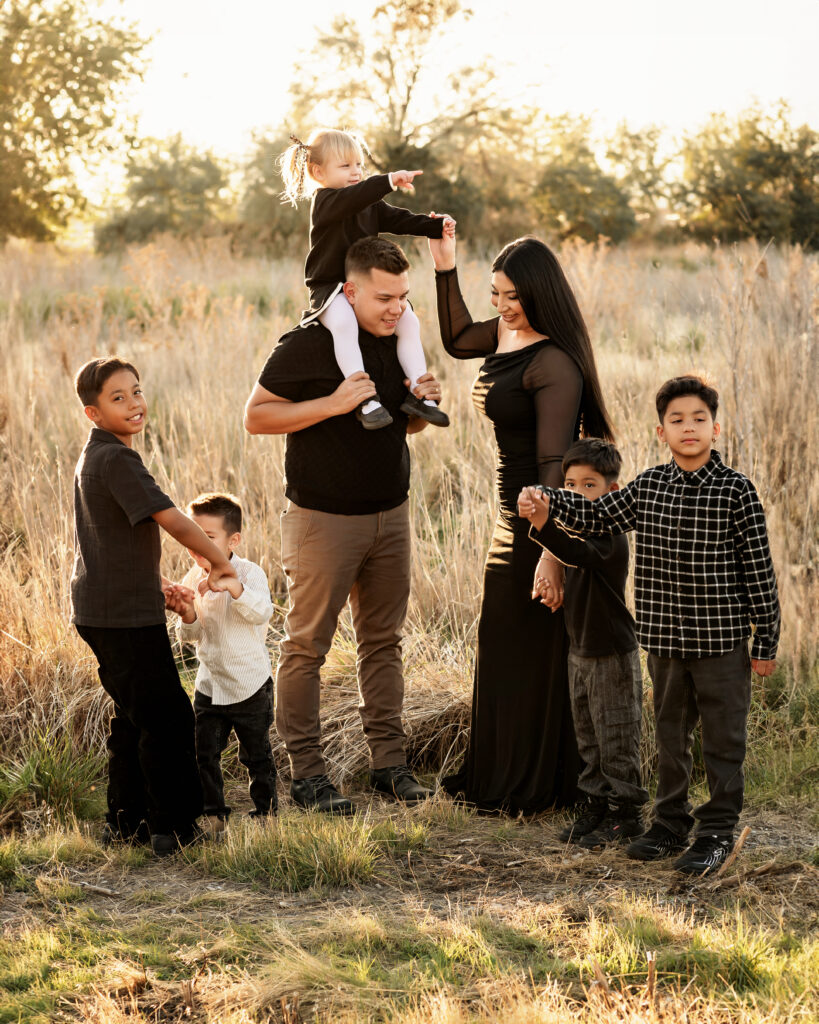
702	570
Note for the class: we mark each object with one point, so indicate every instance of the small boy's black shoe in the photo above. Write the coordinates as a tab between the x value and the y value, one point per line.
657	843
400	783
317	793
590	816
413	406
618	826
376	418
705	854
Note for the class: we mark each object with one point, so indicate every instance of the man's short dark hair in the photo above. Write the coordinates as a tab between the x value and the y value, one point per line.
687	385
219	503
600	455
91	377
375	253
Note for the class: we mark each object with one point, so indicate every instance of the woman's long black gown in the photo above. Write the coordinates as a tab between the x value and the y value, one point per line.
522	754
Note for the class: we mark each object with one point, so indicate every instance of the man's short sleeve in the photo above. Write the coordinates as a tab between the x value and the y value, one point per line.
288	367
132	486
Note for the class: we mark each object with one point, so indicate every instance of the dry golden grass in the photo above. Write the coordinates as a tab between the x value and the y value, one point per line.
199	324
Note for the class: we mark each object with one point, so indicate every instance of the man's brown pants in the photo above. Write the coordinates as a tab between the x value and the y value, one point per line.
329	558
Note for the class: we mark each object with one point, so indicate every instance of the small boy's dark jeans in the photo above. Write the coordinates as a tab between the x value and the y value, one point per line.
607	706
717	692
251	720
151	755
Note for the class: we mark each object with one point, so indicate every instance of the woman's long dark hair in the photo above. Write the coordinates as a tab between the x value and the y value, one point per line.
551	309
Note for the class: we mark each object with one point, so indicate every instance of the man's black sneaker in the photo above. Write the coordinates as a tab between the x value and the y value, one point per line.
590	816
399	782
655	844
413	406
317	793
705	854
618	826
376	418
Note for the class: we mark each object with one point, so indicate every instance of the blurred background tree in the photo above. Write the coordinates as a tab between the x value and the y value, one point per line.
755	175
62	71
171	188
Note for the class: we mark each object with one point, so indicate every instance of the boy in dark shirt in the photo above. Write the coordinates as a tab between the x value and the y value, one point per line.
703	576
605	682
118	599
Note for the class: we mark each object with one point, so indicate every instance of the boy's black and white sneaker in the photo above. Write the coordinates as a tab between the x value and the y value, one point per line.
317	793
413	406
619	825
590	816
705	855
657	843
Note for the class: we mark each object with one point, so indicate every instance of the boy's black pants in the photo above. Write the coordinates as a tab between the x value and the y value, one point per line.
717	692
251	720
151	752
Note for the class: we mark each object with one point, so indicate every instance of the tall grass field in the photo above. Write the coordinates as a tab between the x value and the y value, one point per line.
431	915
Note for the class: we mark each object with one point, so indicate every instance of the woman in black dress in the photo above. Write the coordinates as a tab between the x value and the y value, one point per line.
538	385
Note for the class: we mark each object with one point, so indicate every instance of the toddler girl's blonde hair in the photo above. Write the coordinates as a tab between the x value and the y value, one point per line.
322	145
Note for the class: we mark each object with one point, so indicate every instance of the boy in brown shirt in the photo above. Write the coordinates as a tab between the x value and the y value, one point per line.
118	599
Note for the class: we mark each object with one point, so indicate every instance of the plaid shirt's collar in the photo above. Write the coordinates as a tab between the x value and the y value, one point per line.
700	476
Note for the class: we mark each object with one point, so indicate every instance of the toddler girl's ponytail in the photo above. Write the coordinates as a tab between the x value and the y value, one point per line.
293	166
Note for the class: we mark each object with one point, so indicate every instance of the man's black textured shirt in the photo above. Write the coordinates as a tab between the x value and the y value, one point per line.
336	465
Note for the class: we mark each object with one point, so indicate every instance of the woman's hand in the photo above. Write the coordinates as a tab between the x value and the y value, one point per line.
549	579
442	249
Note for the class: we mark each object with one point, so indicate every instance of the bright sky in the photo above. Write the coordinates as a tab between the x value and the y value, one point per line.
221	69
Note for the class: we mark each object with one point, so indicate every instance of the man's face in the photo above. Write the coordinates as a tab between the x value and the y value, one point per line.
378	300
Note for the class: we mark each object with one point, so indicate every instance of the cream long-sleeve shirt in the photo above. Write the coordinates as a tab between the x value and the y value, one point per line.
230	634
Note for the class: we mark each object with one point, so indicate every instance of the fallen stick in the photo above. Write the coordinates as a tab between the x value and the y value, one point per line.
732	856
95	888
771	868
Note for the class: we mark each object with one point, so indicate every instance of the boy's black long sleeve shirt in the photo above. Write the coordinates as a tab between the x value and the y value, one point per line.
703	573
597	618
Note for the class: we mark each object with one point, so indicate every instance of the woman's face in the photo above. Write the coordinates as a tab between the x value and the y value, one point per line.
505	300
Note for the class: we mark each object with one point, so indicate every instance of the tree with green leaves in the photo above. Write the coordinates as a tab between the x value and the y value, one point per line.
172	188
62	72
574	196
756	175
383	81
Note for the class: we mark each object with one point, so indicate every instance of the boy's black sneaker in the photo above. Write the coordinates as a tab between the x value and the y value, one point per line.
590	816
619	825
317	793
655	844
705	855
165	843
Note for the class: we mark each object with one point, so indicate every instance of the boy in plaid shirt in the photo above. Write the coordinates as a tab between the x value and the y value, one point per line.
703	576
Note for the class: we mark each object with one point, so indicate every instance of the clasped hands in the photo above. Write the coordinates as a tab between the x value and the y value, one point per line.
550	575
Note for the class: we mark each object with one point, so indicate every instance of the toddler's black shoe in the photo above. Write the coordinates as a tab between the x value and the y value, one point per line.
705	854
317	793
413	406
655	844
620	824
376	418
400	783
590	816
